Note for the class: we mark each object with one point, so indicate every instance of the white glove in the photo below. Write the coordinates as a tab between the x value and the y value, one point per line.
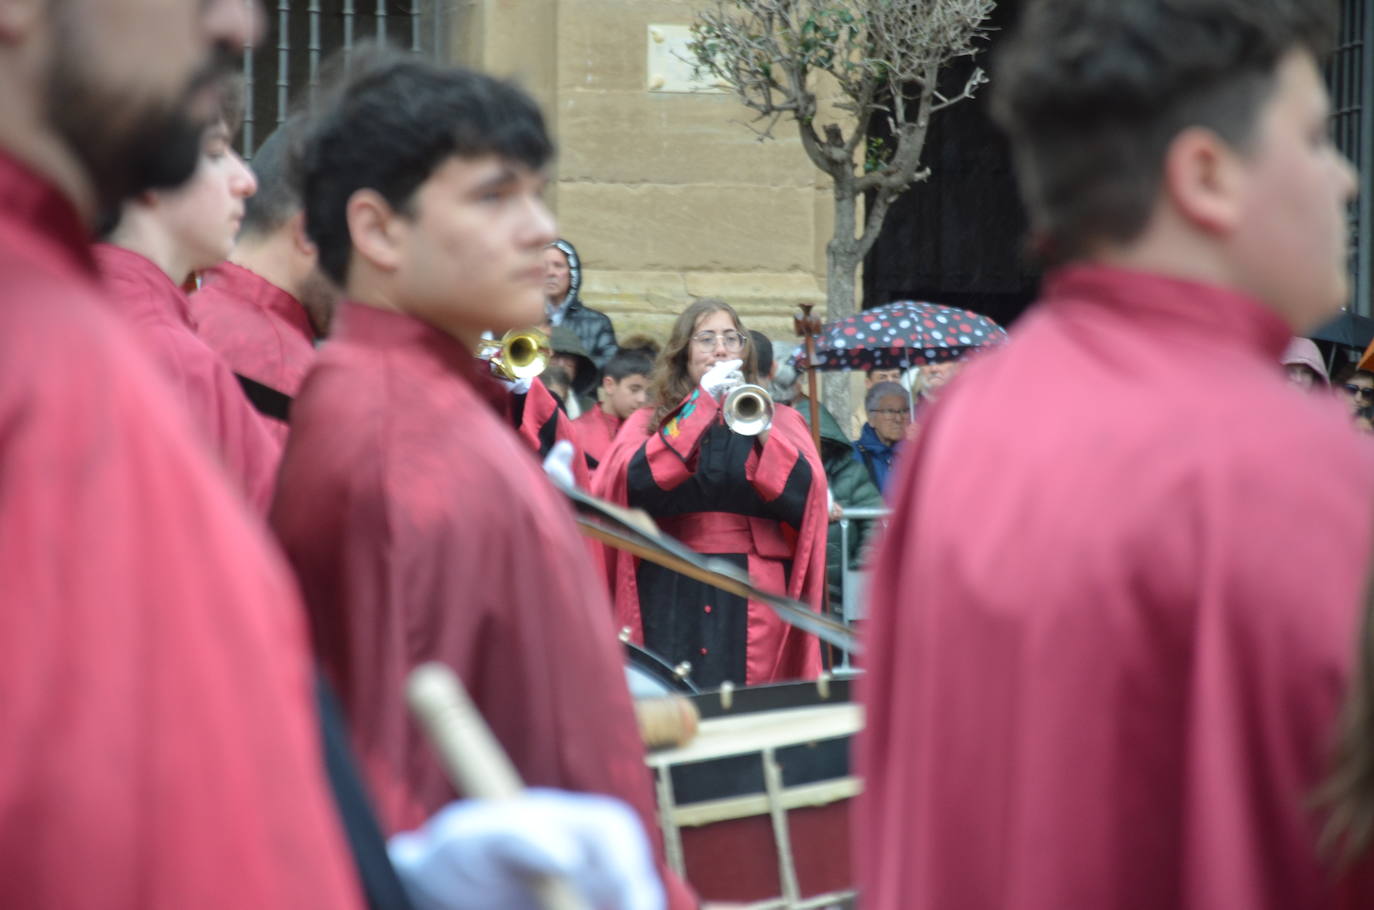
481	854
722	377
558	464
517	386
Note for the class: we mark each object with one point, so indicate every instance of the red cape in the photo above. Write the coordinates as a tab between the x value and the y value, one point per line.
160	315
422	528
258	330
543	423
1113	616
158	741
776	651
594	431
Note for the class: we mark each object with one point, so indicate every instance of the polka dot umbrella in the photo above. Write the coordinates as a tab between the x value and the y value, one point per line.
903	334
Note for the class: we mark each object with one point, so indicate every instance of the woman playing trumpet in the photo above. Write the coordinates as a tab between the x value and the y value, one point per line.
756	500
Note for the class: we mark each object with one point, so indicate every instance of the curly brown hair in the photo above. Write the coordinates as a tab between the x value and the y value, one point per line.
670	383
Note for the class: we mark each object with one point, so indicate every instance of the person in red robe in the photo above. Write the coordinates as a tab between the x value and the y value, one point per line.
262	310
758	501
420	525
1115	609
158	743
160	239
624	390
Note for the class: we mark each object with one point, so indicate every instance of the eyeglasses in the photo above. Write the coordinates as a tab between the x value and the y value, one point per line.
707	341
892	412
1360	391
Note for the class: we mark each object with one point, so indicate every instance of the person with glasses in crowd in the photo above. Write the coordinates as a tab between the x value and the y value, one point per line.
889	415
757	501
1357	387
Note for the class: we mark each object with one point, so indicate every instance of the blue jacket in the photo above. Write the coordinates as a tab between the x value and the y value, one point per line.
876	456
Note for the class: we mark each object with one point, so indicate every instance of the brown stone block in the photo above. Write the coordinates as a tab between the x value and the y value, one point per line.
646	137
698	228
603	44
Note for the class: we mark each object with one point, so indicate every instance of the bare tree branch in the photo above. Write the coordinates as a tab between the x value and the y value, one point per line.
884	59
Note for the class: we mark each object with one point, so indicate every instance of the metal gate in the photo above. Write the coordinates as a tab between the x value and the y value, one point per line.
283	69
1350	76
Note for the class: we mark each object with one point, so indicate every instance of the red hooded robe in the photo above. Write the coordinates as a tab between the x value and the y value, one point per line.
422	528
594	432
160	315
1113	616
259	330
158	743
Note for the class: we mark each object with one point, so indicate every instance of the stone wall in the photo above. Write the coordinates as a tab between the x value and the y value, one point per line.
667	196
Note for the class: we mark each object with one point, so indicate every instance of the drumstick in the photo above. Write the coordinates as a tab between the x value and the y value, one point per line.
473	759
670	720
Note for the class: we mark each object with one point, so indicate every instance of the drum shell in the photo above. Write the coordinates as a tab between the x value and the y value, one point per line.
737	858
649	675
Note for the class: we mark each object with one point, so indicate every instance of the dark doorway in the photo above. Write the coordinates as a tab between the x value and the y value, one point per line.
958	238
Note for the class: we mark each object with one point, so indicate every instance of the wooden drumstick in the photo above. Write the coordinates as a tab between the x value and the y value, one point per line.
667	721
473	759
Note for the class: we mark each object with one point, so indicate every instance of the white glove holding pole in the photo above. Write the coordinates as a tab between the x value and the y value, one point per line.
558	464
483	854
721	378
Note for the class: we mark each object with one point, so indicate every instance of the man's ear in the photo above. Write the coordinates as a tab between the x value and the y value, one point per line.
1204	180
376	230
607	383
300	238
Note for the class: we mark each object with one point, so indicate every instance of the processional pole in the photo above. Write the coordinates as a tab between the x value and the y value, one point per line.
809	327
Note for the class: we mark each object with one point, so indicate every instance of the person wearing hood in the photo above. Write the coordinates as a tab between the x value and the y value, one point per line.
1303	363
563	306
583	372
889	413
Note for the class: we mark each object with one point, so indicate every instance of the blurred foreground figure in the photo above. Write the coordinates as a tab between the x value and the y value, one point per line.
1114	612
158	744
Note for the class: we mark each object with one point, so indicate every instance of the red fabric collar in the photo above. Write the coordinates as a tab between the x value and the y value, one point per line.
251	288
140	289
1230	317
611	422
37	210
371	327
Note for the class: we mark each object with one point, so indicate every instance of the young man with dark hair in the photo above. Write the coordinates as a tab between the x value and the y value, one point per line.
624	390
1114	611
420	525
158	241
262	310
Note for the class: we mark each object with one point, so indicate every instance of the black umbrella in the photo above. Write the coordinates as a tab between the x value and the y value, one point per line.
1349	329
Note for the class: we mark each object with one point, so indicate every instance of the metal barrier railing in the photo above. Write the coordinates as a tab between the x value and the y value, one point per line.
853	577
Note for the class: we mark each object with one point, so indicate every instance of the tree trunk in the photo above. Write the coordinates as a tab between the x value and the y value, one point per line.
841	269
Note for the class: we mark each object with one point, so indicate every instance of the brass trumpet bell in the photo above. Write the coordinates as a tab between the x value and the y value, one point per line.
520	354
748	410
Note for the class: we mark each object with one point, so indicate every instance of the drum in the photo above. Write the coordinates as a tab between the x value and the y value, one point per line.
650	676
756	808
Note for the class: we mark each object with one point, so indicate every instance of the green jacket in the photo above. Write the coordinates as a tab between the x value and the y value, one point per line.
851	487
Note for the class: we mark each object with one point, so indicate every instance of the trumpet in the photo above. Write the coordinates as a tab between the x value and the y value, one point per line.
748	410
520	354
